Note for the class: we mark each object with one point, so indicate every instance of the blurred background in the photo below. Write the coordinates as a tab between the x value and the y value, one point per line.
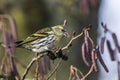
32	15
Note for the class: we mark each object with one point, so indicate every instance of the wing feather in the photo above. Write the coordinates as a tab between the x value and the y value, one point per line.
38	35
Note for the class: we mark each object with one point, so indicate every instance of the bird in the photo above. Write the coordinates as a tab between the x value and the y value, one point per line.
45	40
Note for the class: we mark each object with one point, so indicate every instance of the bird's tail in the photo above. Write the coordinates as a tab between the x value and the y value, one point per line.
17	44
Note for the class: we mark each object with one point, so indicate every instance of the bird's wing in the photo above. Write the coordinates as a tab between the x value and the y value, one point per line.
38	35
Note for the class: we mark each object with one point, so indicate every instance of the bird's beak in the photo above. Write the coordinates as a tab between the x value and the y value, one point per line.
66	35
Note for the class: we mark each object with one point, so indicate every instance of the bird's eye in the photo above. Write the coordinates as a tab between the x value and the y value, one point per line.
63	30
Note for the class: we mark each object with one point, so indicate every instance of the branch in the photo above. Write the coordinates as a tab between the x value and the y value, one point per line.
55	69
66	47
72	39
90	71
30	64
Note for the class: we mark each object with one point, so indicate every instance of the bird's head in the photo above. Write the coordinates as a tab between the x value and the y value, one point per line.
60	30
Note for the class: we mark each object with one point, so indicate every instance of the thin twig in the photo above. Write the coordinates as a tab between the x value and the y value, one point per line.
74	73
30	64
80	72
37	67
72	39
90	71
55	69
28	68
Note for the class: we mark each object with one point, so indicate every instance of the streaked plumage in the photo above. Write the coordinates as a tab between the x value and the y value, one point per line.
44	39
